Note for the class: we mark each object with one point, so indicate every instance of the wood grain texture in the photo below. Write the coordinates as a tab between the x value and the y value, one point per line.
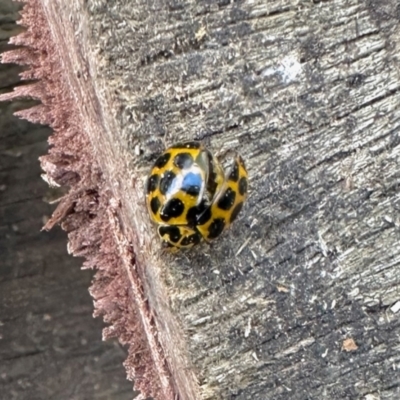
50	346
308	92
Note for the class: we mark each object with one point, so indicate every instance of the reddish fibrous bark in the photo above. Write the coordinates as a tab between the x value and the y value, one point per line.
85	212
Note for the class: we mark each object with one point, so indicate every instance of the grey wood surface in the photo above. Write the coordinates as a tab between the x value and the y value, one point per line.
50	346
300	299
308	92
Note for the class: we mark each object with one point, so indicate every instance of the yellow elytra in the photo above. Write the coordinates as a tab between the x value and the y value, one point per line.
190	197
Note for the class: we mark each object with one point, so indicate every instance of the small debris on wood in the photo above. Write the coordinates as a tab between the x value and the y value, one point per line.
243	246
349	345
395	307
282	289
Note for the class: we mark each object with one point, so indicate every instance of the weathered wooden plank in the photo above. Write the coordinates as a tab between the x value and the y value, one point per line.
50	346
308	92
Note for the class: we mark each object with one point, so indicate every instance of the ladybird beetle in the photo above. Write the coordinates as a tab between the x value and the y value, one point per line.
190	197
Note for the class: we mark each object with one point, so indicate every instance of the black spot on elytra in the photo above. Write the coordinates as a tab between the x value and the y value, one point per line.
187	145
216	228
243	186
172	209
227	200
235	212
166	181
204	217
183	160
172	232
192	190
152	183
234	175
191	240
195	212
162	160
212	176
155	204
192	183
